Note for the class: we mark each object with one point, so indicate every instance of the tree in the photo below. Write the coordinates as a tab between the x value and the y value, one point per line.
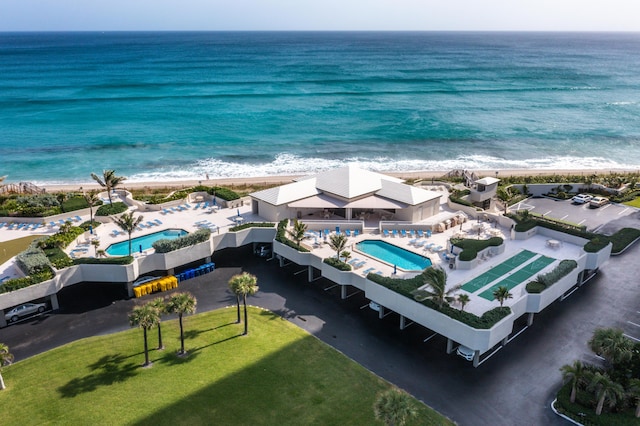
394	407
435	278
95	244
605	390
612	344
575	374
128	224
501	294
338	242
634	393
145	317
298	232
160	306
182	303
109	181
244	285
92	199
505	196
6	358
463	299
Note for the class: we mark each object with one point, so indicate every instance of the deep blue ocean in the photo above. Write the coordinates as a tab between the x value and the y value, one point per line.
167	106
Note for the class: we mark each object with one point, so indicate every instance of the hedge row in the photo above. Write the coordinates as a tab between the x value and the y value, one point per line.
224	193
623	238
405	287
110	209
122	260
18	283
62	239
544	281
166	246
251	225
281	237
471	247
338	264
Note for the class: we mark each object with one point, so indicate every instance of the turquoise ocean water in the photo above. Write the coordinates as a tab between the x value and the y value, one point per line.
168	106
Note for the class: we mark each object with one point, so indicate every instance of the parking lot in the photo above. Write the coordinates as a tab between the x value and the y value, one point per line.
581	214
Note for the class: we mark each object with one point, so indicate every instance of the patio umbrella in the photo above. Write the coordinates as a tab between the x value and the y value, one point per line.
238	212
395	269
140	248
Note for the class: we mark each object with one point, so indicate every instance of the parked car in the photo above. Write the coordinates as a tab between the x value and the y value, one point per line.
263	250
582	198
24	310
598	202
465	352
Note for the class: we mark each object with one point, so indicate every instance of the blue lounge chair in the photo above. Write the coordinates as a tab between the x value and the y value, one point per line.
395	232
412	233
353	261
436	249
206	205
158	221
413	241
385	232
78	219
428	246
187	205
428	233
366	271
150	224
36	226
166	211
360	264
420	243
356	233
197	206
326	233
378	273
420	233
337	230
403	232
347	232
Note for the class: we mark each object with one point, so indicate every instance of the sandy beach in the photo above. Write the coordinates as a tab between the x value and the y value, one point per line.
279	180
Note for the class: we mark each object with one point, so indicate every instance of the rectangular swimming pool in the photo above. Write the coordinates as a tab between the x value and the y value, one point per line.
394	255
144	242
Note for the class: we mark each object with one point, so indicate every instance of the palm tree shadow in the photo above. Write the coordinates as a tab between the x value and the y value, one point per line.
107	370
216	343
192	334
173	358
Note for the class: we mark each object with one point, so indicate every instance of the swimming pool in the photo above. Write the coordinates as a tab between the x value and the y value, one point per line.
394	255
145	241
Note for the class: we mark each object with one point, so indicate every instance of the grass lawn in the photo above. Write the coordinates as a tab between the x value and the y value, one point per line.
633	203
277	375
11	248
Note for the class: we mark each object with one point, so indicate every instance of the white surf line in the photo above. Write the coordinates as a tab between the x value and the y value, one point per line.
623	211
633	323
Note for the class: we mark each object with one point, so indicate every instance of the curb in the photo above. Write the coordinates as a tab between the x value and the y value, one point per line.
553	408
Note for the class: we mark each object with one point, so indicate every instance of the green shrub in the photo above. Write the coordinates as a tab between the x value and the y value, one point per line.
251	225
281	237
471	247
86	225
535	287
18	283
33	260
623	238
596	244
338	264
58	258
74	203
456	197
224	193
166	246
468	254
62	238
109	209
122	260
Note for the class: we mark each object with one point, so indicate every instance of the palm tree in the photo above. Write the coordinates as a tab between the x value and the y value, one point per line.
634	393
109	181
182	303
435	278
6	357
612	345
92	199
235	283
394	407
145	317
501	294
128	224
298	231
575	374
463	299
244	285
161	307
605	389
95	244
338	242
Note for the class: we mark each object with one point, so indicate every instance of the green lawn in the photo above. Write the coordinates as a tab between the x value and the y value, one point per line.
633	203
278	374
11	248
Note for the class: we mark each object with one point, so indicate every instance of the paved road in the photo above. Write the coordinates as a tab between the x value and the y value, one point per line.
514	387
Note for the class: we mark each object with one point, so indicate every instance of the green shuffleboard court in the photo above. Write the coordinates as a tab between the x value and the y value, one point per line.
521	275
497	271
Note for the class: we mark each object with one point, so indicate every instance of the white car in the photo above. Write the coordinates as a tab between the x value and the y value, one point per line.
24	310
466	353
598	201
582	198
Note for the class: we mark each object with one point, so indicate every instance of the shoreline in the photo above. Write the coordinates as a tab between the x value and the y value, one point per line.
283	179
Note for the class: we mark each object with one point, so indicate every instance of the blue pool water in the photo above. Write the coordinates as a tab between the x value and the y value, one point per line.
146	241
394	255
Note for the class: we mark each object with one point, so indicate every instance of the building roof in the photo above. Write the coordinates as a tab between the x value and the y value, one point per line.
487	181
343	187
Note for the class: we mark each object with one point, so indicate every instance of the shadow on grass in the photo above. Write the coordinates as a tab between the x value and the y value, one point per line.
107	370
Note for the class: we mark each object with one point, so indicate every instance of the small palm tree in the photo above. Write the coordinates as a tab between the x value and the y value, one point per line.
244	285
435	278
92	199
394	407
634	393
109	181
605	390
338	242
145	317
6	357
298	231
160	306
463	300
182	303
128	223
95	244
501	294
574	373
612	344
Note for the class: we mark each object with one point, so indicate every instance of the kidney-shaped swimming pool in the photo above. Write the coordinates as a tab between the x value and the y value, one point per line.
394	255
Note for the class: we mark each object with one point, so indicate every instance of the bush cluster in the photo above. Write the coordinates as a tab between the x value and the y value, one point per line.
122	260
338	264
471	247
281	237
33	260
77	202
623	238
62	238
166	246
251	225
58	258
224	193
18	283
544	281
405	287
109	209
